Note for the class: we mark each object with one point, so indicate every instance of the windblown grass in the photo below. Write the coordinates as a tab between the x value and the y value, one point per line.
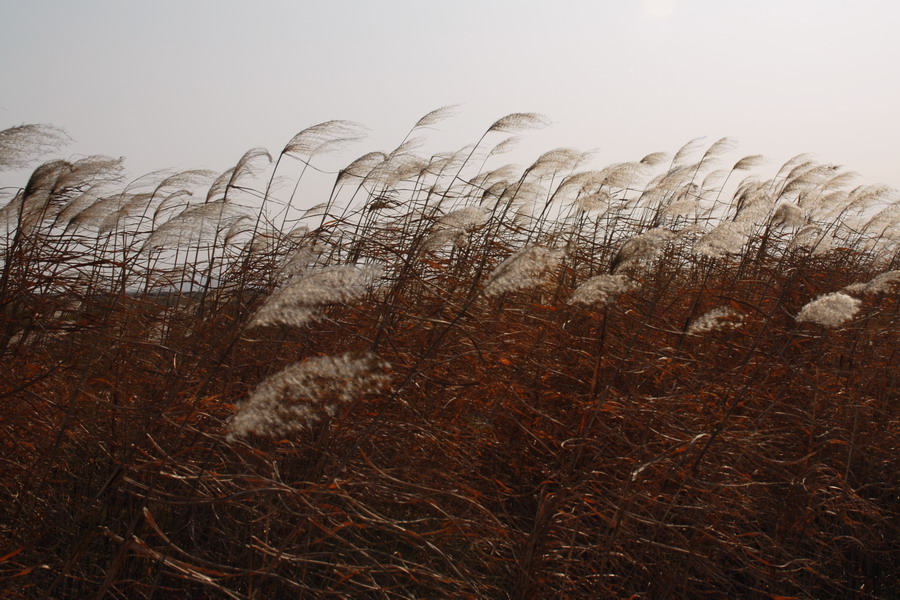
450	378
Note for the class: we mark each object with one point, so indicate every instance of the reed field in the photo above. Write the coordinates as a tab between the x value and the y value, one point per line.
450	377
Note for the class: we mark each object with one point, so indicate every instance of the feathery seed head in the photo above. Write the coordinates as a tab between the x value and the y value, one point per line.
440	238
22	145
242	225
691	232
560	159
219	186
621	175
81	202
362	166
841	180
493	193
870	195
298	262
133	205
436	116
685	151
824	245
727	237
880	284
682	207
830	310
809	181
517	121
526	268
524	192
316	211
505	146
583	181
602	289
754	203
251	163
324	137
718	148
100	211
186	179
171	203
408	146
673	179
54	185
805	158
195	222
750	162
885	220
712	179
718	318
577	184
788	215
641	248
45	178
88	172
808	237
299	301
655	159
397	168
9	215
468	218
830	205
800	168
305	392
592	202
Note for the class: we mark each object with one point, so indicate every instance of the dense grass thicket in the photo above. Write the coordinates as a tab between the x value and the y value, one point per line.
667	378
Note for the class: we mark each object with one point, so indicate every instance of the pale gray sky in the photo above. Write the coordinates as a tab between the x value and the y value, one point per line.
193	84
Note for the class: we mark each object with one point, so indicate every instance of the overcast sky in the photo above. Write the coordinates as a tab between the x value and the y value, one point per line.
193	84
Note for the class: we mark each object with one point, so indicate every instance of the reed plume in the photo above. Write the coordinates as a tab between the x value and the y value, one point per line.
526	268
301	299
22	145
829	310
305	393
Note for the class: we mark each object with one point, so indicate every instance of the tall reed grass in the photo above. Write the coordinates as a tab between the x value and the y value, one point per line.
449	378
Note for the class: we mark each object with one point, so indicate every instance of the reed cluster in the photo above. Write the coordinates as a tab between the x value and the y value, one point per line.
451	378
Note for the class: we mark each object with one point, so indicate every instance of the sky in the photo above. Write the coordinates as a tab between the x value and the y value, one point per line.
195	83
